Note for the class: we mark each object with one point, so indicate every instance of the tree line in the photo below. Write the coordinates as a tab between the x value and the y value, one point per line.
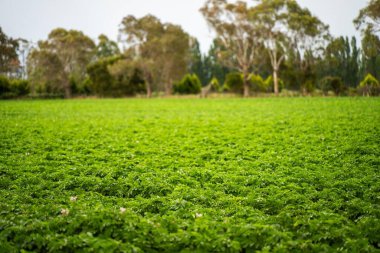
273	46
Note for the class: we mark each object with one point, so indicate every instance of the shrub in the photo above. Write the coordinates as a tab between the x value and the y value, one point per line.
13	88
307	87
234	82
190	84
4	85
20	87
258	83
332	83
370	86
215	85
269	84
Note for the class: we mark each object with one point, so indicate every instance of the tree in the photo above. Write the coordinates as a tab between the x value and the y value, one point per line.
127	79
65	52
23	51
115	77
175	54
212	64
371	53
235	33
106	47
284	24
159	50
101	78
341	59
197	64
369	17
8	53
45	72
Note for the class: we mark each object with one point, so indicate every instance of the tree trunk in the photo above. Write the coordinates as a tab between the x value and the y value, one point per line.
245	84
246	88
148	91
67	90
168	89
275	81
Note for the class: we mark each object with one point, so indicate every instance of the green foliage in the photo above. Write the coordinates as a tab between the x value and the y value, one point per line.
160	50
190	175
13	88
190	84
268	83
20	87
369	17
370	86
308	87
8	54
101	79
371	54
197	62
234	82
4	85
106	47
258	83
215	85
59	63
115	77
332	83
342	60
369	81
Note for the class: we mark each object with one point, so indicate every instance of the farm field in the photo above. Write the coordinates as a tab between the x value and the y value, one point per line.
190	175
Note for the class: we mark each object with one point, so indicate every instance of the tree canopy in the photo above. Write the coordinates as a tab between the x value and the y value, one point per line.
8	53
65	52
369	17
147	42
284	24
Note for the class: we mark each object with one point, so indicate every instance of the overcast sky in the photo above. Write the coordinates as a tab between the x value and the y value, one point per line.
34	19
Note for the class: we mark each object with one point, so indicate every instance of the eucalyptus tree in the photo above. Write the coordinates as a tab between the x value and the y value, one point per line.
68	51
284	25
368	21
369	17
106	47
8	53
371	53
159	50
236	34
175	45
46	72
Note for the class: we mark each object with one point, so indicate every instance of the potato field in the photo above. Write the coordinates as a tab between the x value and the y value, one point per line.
190	175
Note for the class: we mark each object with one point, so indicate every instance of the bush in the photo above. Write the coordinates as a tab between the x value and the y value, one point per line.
113	77
234	82
258	83
20	87
13	88
332	83
190	84
307	87
4	85
370	86
269	84
215	85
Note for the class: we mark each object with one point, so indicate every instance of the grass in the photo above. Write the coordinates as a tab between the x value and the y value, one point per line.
190	175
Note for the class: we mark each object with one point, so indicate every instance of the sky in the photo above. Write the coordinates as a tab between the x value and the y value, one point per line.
34	19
